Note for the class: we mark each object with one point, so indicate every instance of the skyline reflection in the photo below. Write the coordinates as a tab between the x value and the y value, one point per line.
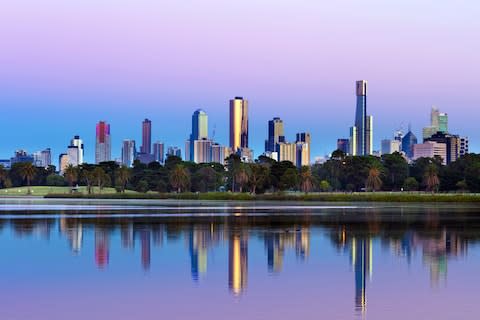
436	240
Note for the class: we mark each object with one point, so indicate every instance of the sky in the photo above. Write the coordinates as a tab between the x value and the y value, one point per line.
67	64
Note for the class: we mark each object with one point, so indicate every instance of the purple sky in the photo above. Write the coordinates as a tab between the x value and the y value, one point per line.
66	65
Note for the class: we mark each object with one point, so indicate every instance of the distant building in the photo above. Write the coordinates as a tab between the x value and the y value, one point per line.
353	141
438	123
203	151
390	146
146	146
304	142
129	152
43	158
363	123
287	152
73	153
22	156
452	143
219	153
239	129
408	141
276	134
343	145
463	146
103	148
159	152
272	155
430	149
63	162
77	142
174	151
145	158
5	163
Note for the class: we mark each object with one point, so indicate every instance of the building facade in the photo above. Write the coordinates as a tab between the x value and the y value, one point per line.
276	134
129	152
430	149
159	152
238	124
146	146
103	148
408	141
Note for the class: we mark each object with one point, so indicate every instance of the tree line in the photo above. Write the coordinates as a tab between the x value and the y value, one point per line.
340	173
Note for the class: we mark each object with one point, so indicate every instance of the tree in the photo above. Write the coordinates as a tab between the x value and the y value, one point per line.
55	180
101	178
289	180
3	176
71	174
205	179
325	186
306	179
258	176
179	178
142	186
27	172
396	170
242	176
374	182
410	184
123	176
430	178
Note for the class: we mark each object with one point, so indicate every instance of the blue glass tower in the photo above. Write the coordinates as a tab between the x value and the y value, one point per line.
361	118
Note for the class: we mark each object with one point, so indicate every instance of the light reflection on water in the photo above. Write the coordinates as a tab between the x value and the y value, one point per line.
263	261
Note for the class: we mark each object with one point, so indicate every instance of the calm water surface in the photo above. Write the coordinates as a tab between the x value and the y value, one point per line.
185	260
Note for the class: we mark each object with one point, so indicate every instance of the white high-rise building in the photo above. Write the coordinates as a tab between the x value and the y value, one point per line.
77	142
128	152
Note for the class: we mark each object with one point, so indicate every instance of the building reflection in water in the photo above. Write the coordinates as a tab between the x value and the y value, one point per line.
238	261
73	231
361	255
145	248
101	247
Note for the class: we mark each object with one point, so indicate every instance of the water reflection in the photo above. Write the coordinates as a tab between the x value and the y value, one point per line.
354	236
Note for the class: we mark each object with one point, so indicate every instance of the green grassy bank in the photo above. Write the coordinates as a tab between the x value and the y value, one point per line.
332	197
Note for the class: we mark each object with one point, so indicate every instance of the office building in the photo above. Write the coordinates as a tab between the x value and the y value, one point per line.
287	152
72	153
77	142
369	135
430	149
129	152
239	126
353	141
5	163
103	148
159	152
408	141
220	153
43	158
463	146
362	124
174	151
438	123
304	142
146	146
276	134
452	143
343	145
21	156
203	151
199	132
63	162
390	146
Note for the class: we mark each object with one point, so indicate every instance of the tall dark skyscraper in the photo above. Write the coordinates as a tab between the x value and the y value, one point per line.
276	134
146	137
199	131
361	117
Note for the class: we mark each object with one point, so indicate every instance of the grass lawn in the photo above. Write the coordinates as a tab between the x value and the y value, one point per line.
40	191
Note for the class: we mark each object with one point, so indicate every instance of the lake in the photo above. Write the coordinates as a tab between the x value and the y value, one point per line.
100	259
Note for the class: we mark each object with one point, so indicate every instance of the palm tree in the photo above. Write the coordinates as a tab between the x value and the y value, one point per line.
27	172
179	178
374	182
242	176
71	174
306	179
430	178
123	176
100	177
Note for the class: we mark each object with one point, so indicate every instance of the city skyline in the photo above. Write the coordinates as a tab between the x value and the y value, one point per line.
300	69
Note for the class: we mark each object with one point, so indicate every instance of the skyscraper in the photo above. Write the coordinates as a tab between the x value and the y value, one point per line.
361	117
353	141
303	142
146	137
276	134
408	141
77	142
343	145
238	124
103	148
199	132
438	123
43	158
159	152
128	152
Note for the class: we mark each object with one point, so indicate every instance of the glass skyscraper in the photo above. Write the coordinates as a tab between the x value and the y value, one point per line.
361	117
146	137
199	131
276	134
238	124
103	148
